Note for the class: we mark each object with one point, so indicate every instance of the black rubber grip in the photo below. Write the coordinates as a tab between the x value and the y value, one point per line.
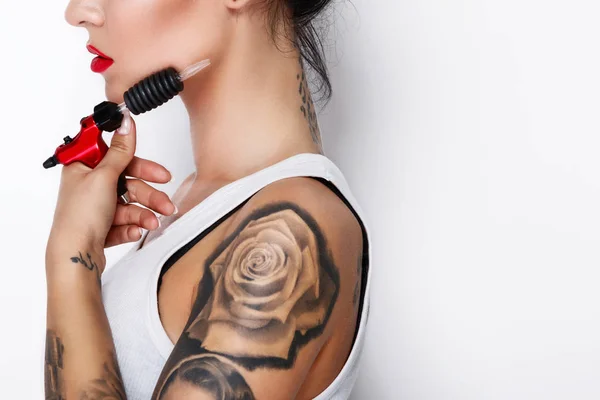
153	91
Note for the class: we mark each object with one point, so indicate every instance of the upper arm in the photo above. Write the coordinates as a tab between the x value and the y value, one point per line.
271	296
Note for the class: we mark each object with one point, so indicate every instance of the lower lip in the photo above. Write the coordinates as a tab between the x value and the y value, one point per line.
101	64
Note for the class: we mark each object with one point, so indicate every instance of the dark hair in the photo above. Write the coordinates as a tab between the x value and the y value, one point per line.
302	14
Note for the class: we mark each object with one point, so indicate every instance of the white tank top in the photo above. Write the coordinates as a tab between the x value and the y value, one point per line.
129	287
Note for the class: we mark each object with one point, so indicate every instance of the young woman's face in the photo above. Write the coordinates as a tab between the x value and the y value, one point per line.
144	36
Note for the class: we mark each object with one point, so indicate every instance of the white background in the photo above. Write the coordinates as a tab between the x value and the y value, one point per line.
468	130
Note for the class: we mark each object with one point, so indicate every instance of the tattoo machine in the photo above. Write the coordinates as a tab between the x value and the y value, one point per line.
89	147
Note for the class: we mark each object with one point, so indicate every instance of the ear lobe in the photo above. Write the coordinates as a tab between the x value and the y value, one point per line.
236	4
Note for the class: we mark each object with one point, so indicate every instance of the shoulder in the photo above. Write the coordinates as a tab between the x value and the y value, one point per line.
310	201
309	226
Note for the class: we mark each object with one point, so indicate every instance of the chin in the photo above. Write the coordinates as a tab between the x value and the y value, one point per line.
114	94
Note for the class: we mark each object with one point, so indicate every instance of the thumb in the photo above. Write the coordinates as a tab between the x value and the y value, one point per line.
122	146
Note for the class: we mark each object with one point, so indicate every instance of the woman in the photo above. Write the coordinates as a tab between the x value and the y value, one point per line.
254	283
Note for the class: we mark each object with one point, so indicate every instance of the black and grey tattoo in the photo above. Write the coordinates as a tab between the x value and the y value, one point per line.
269	289
307	108
53	367
92	266
208	374
109	387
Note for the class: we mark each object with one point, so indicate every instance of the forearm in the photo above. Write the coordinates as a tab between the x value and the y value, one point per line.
80	360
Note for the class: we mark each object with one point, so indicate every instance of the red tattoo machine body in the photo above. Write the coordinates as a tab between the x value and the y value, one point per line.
88	146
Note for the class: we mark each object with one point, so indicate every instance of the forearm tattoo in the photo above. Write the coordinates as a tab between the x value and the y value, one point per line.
109	387
267	290
307	107
53	367
89	264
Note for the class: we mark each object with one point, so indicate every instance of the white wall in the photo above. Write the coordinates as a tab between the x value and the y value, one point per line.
469	132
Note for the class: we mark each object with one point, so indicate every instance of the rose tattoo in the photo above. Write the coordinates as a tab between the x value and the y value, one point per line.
274	287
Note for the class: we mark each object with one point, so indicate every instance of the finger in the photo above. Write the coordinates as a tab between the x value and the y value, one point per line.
147	170
122	147
122	234
142	193
128	214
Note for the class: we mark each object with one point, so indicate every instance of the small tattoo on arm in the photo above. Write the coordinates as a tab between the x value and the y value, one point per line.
109	387
53	367
88	264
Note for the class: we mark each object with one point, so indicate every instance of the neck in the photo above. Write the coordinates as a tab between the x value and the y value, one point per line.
247	110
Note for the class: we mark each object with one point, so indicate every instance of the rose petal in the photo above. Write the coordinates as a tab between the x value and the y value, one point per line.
262	260
308	279
249	317
291	269
276	221
311	309
225	310
271	307
248	291
199	326
273	340
281	312
233	265
218	265
266	285
302	232
259	261
274	236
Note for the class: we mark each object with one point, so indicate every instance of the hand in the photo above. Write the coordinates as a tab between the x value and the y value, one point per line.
129	218
86	209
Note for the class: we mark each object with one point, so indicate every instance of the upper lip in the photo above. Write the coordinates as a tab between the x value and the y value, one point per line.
97	52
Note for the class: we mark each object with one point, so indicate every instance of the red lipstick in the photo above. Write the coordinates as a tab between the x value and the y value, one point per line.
100	63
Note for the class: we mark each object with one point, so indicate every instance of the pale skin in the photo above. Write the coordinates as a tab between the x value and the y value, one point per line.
245	114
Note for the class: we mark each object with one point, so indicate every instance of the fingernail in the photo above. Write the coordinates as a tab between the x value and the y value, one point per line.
158	219
141	232
126	124
176	210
